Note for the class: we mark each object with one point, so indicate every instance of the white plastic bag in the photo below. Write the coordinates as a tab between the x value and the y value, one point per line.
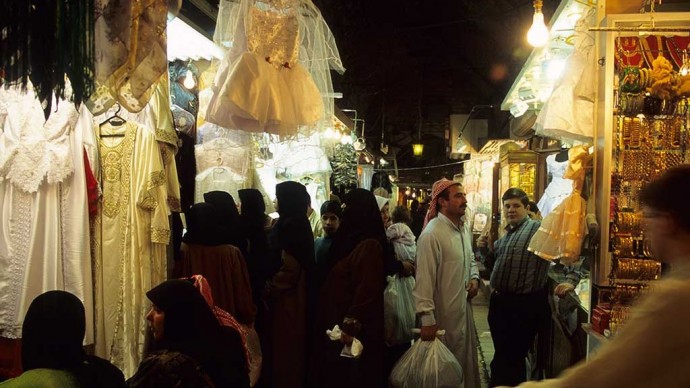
255	355
398	310
428	364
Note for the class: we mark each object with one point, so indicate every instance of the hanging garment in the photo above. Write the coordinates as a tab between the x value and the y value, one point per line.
561	232
569	112
266	82
44	222
131	232
223	151
130	45
558	189
219	178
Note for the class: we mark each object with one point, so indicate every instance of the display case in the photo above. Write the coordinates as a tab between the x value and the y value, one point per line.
518	168
639	135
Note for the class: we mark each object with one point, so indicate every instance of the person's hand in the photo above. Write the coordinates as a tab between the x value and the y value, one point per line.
346	339
483	243
428	333
472	288
408	268
563	289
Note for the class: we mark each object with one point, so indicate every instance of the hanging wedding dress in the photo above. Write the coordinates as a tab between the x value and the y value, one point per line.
561	232
569	112
131	232
558	189
267	82
44	223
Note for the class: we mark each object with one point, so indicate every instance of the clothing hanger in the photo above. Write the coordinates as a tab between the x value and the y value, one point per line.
116	121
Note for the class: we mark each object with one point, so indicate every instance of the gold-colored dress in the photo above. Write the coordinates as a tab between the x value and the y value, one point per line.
130	46
561	232
129	236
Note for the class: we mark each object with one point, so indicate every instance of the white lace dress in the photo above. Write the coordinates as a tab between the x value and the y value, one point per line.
44	224
569	112
558	189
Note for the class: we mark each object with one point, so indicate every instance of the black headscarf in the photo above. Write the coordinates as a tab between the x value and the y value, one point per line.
361	220
53	332
292	232
203	226
229	218
252	208
191	328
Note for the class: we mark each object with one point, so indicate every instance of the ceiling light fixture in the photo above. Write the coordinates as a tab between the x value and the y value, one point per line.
360	144
538	34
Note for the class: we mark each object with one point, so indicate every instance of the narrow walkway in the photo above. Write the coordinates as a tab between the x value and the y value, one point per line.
480	310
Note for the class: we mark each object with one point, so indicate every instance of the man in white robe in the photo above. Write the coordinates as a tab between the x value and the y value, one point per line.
447	277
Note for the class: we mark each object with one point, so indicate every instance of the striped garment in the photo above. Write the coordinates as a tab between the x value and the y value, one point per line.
516	270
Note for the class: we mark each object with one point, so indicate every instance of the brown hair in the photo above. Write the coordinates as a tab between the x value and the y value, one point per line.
401	214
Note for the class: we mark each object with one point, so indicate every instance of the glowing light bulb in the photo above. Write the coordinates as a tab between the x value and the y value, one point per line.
538	34
189	82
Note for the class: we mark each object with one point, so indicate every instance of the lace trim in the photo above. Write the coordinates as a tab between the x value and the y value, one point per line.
20	240
160	236
157	178
149	203
168	137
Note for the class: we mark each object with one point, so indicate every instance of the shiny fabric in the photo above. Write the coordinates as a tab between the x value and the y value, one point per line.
569	112
131	55
445	266
131	232
562	231
265	88
558	189
44	230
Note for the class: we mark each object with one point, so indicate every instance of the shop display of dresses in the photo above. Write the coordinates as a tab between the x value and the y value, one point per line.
44	222
266	81
222	164
562	231
131	232
559	188
569	112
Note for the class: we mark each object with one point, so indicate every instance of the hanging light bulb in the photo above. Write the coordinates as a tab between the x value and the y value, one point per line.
538	34
189	82
685	68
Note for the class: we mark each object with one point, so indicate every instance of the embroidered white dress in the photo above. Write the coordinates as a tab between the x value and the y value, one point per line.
44	224
558	189
131	232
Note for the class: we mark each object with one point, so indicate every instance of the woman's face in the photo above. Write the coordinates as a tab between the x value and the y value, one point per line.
156	318
384	214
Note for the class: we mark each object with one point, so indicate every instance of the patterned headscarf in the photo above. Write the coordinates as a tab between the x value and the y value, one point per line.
437	189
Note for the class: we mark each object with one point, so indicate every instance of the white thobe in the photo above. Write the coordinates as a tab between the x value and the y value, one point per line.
445	265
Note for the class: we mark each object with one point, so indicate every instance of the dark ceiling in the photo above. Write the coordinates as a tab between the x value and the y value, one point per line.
418	61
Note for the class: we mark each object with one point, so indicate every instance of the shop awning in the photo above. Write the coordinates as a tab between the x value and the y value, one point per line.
544	66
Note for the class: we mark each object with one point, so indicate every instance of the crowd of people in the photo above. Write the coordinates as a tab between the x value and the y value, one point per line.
244	279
